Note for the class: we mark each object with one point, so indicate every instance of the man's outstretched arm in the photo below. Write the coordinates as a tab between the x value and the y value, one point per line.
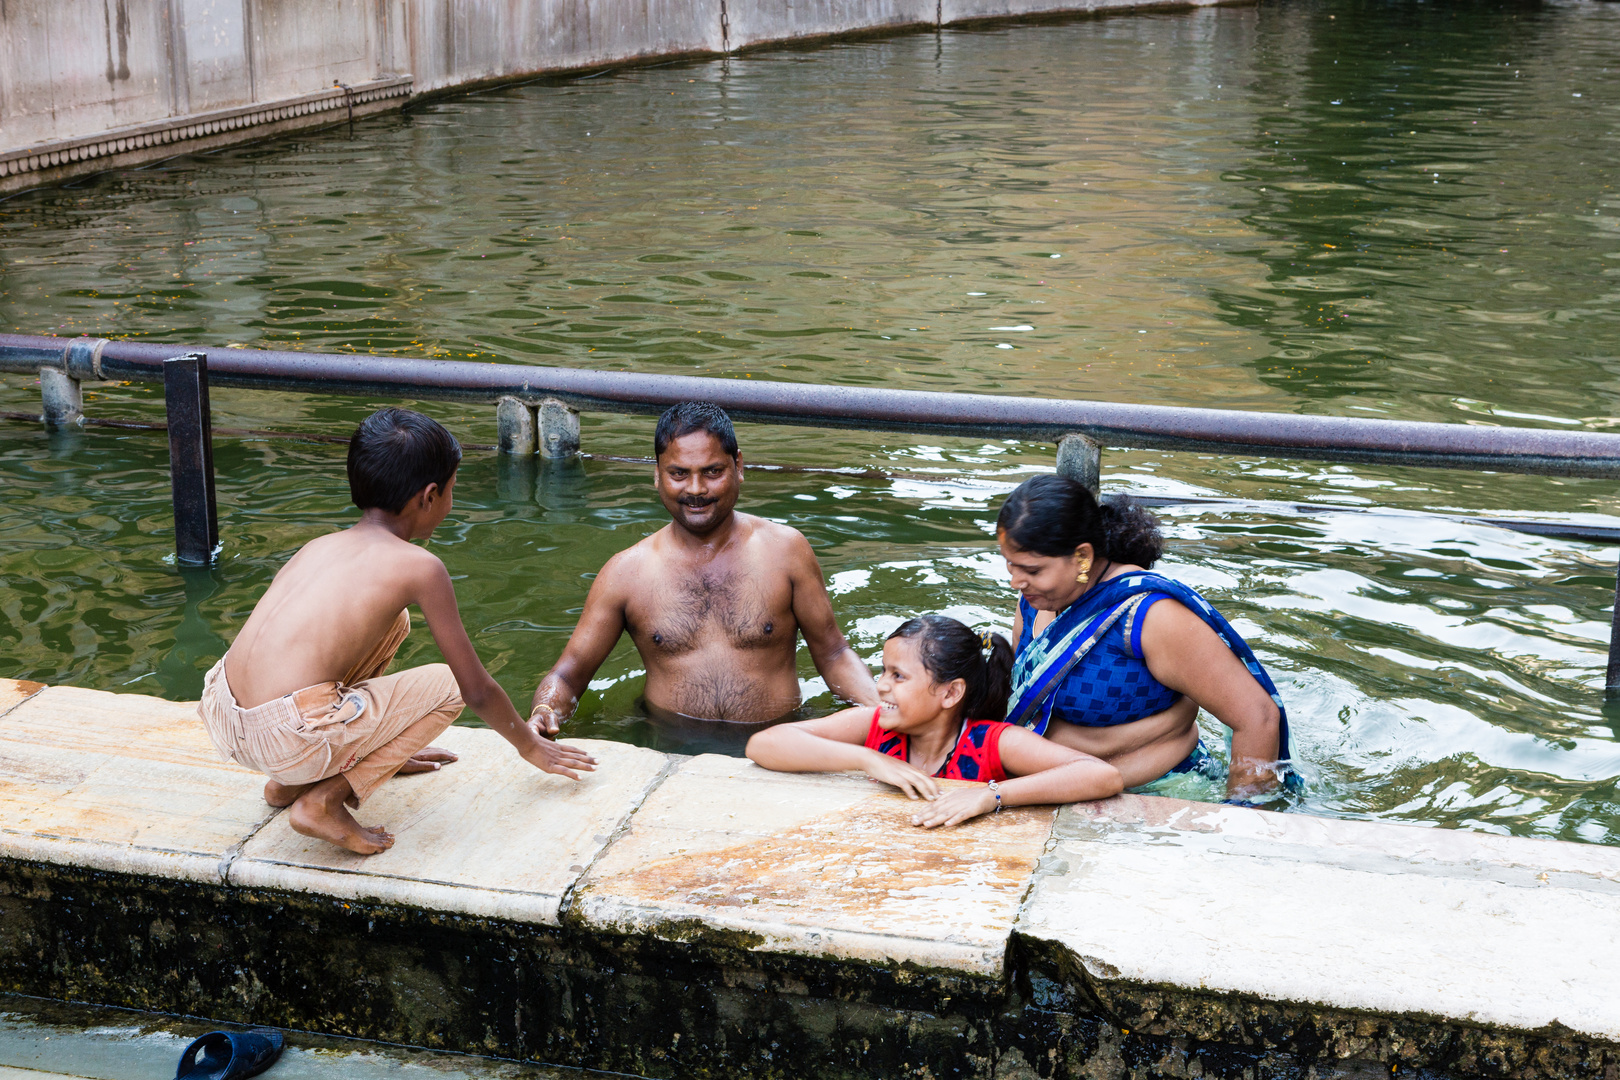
593	638
846	673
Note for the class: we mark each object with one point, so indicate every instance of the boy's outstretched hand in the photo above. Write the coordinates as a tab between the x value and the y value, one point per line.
559	758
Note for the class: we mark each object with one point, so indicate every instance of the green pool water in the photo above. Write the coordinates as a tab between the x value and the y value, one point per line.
1363	209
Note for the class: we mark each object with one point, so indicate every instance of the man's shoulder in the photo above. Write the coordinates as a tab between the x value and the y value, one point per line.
642	551
772	533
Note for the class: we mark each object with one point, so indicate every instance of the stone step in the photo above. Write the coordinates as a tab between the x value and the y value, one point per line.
670	915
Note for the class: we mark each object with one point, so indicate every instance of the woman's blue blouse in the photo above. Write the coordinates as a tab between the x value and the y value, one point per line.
1111	684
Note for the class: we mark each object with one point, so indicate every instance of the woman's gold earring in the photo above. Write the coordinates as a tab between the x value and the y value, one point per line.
1085	572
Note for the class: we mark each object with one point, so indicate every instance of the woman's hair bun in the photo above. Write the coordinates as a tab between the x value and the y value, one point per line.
1131	533
1052	515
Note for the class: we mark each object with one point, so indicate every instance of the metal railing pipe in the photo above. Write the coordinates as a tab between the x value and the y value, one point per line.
1318	438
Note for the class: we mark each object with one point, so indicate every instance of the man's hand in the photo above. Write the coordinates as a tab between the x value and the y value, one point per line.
955	807
559	758
545	721
903	775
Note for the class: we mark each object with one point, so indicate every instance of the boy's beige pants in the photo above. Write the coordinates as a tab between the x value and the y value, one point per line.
365	726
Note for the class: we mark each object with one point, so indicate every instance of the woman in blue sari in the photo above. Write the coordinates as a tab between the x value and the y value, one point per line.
1114	660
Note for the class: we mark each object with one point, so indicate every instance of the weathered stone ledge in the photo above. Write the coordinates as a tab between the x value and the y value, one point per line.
140	144
699	916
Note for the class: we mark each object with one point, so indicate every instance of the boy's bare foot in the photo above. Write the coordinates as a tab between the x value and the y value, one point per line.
319	812
428	759
279	794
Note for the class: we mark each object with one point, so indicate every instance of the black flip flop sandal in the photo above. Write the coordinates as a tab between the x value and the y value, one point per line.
230	1055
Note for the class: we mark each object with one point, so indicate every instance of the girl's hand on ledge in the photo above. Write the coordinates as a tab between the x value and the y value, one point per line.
902	774
956	806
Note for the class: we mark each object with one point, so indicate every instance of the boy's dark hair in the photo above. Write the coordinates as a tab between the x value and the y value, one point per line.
949	650
395	453
690	416
1053	515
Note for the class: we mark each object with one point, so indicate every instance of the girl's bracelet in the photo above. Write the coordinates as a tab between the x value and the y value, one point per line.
995	789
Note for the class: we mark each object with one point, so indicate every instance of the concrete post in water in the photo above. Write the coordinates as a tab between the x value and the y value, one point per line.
1612	682
515	426
191	457
64	403
559	430
1080	459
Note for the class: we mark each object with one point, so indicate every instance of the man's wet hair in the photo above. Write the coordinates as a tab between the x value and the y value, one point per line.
395	453
690	416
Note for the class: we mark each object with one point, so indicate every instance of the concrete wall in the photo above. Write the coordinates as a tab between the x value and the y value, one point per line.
73	67
461	42
87	85
91	85
77	67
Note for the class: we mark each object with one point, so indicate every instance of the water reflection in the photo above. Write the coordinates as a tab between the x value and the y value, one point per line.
1385	210
1409	247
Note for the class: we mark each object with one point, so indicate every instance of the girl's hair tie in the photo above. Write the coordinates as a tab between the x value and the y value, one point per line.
987	640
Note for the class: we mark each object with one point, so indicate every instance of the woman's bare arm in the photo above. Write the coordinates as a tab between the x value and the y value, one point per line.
1184	654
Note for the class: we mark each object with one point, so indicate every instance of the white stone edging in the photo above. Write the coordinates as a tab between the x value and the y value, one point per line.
179	129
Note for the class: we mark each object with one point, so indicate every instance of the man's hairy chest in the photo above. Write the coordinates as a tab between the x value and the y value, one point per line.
690	610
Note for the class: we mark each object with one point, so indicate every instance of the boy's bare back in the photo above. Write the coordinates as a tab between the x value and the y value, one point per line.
333	616
326	610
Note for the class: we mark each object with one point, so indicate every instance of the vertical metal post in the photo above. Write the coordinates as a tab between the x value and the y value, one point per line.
1080	459
191	457
559	429
64	402
514	426
1611	681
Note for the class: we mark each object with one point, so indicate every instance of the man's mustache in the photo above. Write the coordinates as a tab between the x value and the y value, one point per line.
697	504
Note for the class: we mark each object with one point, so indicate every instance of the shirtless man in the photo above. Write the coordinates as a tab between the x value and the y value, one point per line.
301	695
714	601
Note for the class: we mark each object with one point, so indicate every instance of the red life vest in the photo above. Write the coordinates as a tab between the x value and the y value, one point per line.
976	756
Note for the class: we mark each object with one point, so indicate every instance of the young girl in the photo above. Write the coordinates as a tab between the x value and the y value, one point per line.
943	694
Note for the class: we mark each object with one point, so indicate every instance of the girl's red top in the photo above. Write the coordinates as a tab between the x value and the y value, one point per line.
976	756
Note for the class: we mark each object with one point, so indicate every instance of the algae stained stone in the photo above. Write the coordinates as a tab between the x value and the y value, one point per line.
814	865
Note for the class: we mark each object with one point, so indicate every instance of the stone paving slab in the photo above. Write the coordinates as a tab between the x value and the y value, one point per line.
489	835
819	865
1158	900
14	692
1391	919
120	782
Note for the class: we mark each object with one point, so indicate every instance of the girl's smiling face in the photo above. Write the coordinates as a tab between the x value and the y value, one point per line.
908	697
